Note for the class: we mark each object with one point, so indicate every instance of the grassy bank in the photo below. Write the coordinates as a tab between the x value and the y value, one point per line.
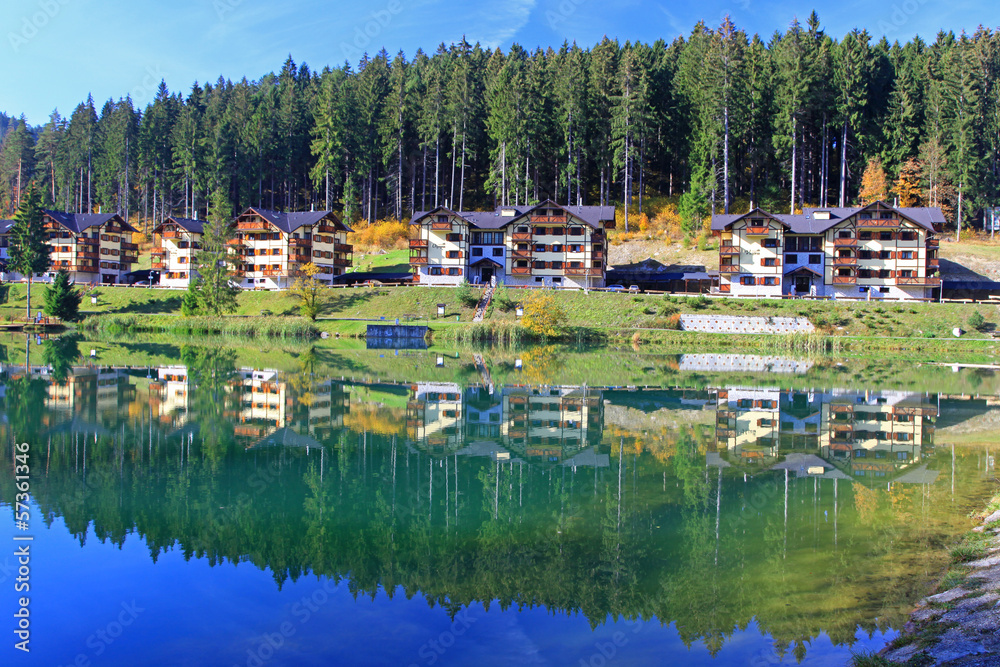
246	327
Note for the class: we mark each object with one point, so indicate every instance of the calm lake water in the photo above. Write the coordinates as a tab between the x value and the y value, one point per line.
207	504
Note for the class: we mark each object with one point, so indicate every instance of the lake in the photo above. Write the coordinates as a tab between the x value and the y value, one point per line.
209	503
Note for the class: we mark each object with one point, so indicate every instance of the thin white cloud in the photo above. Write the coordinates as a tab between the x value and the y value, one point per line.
498	22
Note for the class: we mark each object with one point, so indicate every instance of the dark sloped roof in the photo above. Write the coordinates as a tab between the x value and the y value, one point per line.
5	226
591	215
807	222
289	222
78	222
188	224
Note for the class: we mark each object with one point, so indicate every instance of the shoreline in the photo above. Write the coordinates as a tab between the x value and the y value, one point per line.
960	624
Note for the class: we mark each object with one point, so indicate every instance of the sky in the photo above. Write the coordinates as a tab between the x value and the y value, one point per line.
53	53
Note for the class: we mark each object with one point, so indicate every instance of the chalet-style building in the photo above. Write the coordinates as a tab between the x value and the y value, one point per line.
174	255
272	246
873	251
91	247
544	245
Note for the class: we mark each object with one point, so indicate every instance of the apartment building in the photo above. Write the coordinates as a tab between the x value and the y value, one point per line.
543	245
876	251
272	247
179	240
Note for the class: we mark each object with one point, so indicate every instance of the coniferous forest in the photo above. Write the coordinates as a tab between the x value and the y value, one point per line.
719	119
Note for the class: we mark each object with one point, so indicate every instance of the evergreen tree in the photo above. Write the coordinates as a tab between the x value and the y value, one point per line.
191	303
28	252
61	299
214	262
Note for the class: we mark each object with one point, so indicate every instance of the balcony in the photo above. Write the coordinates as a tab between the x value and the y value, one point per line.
845	261
521	236
83	254
275	272
927	281
87	241
729	249
159	266
845	280
521	270
78	268
300	243
597	254
887	222
757	231
548	219
418	260
933	263
441	225
341	262
157	252
326	229
235	242
520	254
728	268
933	243
582	271
841	408
171	235
849	243
259	226
418	243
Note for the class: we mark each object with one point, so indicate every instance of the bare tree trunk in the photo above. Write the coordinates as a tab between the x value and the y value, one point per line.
461	186
843	167
795	144
725	159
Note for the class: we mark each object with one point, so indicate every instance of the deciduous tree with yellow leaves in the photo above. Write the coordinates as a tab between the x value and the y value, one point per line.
874	183
308	289
543	316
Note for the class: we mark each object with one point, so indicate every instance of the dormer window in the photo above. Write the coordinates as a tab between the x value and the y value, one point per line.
442	218
821	215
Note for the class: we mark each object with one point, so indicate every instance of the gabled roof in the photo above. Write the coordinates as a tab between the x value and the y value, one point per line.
188	224
78	222
289	222
591	215
807	222
5	226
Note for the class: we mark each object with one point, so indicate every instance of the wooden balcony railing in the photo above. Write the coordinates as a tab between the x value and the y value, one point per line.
757	231
259	226
729	249
928	281
418	243
889	222
845	242
418	260
520	254
729	268
171	235
157	252
521	236
300	243
933	243
343	247
933	262
326	229
845	280
724	289
521	270
845	261
78	268
582	271
159	266
341	262
83	254
87	241
441	225
275	272
548	219
129	246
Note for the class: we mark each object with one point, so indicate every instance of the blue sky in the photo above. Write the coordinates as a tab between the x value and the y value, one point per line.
55	52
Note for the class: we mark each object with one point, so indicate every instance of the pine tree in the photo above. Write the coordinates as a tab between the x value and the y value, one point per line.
28	252
217	291
61	300
191	303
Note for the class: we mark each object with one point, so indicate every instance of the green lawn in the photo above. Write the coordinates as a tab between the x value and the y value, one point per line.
393	261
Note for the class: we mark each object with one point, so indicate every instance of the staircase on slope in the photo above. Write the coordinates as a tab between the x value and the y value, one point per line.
484	301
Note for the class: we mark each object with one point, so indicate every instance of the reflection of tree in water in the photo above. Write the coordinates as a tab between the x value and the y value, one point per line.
60	354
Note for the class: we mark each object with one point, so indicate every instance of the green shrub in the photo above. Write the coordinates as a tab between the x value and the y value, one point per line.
977	321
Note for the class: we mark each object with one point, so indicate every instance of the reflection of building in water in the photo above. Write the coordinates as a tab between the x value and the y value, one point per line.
91	389
550	424
262	405
874	434
169	394
728	363
746	423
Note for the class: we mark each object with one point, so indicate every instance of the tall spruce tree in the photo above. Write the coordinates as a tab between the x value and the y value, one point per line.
28	253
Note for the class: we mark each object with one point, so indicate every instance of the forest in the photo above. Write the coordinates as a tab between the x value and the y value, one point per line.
717	121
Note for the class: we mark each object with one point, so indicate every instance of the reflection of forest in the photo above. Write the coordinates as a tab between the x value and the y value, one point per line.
520	495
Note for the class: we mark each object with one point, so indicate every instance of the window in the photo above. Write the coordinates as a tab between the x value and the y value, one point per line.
907	236
557	281
540	247
791	259
538	265
275	251
498	252
864	273
453	238
769	280
317	253
598	247
885	236
906	254
906	273
862	290
864	254
747	280
885	254
454	254
537	280
883	290
844	234
557	265
597	263
576	248
576	231
435	270
522	229
576	265
815	259
770	243
865	236
454	271
182	260
442	218
477	252
792	243
884	273
768	261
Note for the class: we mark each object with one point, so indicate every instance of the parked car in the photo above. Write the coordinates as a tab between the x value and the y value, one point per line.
615	288
634	289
